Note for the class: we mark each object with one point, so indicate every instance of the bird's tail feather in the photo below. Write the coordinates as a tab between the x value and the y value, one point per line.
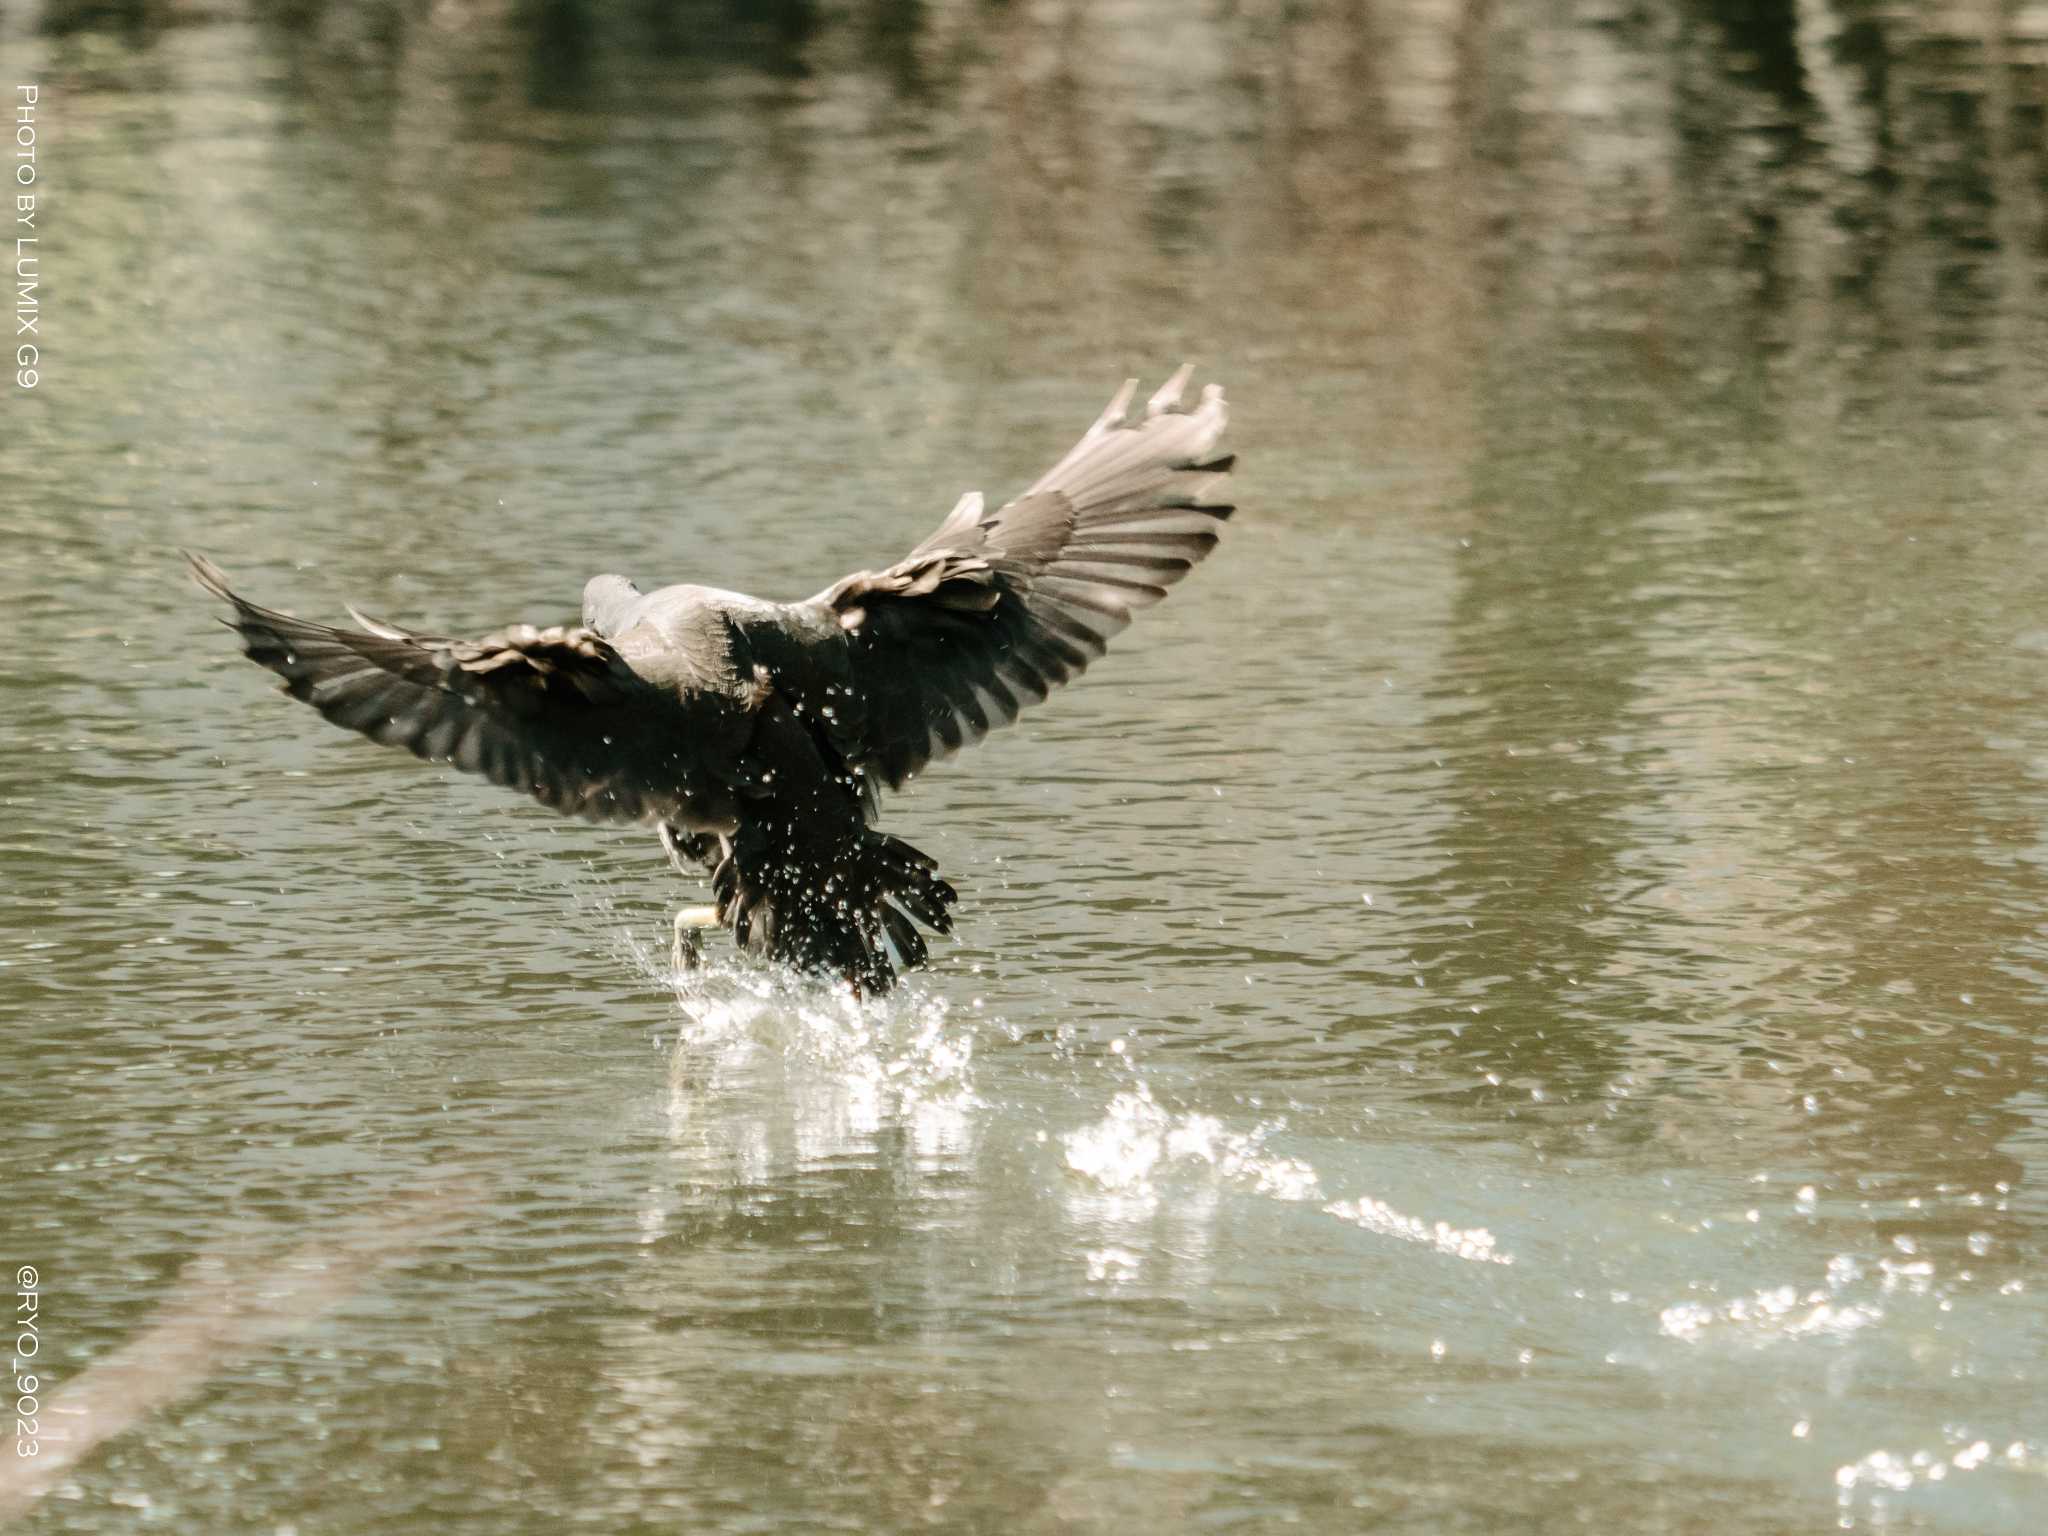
835	904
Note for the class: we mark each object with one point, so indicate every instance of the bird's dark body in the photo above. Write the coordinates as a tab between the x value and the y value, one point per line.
757	736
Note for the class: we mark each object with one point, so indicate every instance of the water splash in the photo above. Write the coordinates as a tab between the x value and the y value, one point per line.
903	1044
1864	1488
1780	1312
1474	1244
1852	1298
770	1070
1137	1140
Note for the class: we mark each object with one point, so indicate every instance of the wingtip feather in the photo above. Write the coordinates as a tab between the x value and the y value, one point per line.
208	575
1113	414
377	627
1167	396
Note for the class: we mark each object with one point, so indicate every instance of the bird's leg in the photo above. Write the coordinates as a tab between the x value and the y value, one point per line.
689	852
691	922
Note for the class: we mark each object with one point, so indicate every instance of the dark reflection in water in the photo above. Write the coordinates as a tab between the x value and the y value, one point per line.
1590	814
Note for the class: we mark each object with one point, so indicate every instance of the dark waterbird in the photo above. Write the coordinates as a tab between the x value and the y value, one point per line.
756	736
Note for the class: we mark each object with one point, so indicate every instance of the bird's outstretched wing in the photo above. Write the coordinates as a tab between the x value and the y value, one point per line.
996	608
554	713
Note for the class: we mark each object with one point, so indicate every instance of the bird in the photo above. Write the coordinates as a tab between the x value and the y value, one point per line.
756	737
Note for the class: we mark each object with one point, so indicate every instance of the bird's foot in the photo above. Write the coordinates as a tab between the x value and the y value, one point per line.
691	922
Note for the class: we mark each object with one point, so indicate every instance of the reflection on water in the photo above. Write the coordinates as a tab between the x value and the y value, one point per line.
1511	1002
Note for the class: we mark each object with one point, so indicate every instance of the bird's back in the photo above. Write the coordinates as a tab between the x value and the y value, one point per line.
685	635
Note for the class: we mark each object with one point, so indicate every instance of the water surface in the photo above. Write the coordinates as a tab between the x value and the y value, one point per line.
1512	1002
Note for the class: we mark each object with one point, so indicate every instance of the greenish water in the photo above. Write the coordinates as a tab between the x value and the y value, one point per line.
1513	1002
